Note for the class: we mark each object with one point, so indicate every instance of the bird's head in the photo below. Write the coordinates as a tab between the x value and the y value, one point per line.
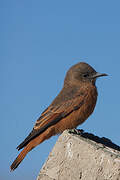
82	72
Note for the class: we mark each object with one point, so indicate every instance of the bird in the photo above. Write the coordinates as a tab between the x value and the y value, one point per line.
71	107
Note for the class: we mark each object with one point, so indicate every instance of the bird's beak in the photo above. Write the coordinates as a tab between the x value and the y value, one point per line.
96	75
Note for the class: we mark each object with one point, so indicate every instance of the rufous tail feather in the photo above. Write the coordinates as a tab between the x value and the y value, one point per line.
47	134
19	158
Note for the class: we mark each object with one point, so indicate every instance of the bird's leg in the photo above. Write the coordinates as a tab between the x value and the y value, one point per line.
76	131
73	131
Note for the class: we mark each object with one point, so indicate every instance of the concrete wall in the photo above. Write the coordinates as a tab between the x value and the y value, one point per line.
82	157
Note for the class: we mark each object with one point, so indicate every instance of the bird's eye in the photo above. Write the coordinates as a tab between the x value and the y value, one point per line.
85	75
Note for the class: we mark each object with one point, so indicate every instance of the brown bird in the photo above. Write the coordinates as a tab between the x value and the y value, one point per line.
73	105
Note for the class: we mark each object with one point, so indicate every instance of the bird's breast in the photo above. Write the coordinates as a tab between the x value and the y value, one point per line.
79	115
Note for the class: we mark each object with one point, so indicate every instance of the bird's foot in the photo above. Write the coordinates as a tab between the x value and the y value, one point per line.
76	131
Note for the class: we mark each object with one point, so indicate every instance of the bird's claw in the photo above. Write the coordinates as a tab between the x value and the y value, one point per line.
76	131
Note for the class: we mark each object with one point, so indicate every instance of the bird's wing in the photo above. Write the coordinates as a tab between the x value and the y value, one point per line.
52	115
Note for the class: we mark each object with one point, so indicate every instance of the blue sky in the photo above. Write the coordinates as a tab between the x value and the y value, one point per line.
39	41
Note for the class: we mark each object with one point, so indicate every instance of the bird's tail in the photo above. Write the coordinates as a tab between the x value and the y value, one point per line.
39	139
19	158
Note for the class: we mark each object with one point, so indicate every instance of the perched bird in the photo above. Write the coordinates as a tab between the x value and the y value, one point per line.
73	105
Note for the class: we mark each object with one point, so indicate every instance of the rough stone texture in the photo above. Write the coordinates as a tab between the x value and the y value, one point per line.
82	157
